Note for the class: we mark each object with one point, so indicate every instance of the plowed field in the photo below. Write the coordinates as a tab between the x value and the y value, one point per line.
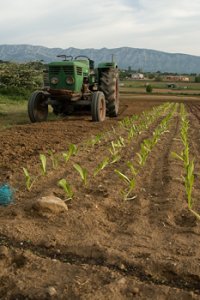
102	247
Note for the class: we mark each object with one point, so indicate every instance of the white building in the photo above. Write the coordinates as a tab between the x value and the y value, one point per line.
138	76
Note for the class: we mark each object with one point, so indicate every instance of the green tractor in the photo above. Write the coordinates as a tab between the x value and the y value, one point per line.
73	85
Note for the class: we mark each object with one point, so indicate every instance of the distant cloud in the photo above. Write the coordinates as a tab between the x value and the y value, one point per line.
167	25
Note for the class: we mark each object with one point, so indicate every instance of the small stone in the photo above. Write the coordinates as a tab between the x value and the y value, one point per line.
50	205
122	267
51	291
135	290
122	281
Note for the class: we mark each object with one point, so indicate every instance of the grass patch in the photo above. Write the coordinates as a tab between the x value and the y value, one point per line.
13	111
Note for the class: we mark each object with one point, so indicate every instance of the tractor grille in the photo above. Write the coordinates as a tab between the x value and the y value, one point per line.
69	70
46	78
55	70
79	71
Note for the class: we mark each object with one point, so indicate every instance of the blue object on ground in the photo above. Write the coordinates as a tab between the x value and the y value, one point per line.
6	194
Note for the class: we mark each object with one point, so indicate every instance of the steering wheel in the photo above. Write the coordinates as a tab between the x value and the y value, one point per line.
65	56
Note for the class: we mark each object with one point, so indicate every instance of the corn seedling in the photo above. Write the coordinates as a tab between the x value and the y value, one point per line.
28	179
53	159
132	132
117	145
115	158
125	123
43	160
95	140
195	213
129	182
142	156
189	181
148	144
66	187
113	150
177	156
82	172
72	151
121	142
101	166
132	168
113	129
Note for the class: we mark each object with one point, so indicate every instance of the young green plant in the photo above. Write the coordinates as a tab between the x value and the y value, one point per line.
72	151
43	160
28	179
101	166
66	187
54	159
82	172
129	182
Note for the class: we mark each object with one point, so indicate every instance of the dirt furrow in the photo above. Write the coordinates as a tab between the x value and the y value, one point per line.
159	181
191	284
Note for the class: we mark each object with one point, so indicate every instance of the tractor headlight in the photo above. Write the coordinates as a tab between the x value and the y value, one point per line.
69	80
54	80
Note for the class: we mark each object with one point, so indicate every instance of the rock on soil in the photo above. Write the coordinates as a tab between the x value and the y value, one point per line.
50	205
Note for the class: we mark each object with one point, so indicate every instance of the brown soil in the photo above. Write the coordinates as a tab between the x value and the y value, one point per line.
103	247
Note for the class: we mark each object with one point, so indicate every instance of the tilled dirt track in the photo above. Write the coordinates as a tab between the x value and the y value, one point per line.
103	247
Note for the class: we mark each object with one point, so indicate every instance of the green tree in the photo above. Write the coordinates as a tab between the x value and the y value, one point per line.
197	79
149	88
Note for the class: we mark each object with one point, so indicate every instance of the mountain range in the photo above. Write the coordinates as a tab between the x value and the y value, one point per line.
126	57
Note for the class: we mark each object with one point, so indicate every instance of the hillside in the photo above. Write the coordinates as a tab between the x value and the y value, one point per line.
144	59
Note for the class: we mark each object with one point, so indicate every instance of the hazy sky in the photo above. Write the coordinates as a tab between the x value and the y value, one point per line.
166	25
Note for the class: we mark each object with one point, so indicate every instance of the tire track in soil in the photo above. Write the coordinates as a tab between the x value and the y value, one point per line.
132	270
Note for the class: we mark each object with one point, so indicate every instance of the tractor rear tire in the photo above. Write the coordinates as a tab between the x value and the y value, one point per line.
37	108
109	85
98	107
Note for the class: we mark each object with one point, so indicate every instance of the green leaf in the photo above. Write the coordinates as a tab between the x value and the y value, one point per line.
122	176
132	168
82	171
195	213
72	151
140	160
115	158
66	187
53	159
175	155
43	163
101	166
27	178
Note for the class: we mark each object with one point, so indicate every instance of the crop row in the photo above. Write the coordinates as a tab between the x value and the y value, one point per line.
118	140
188	163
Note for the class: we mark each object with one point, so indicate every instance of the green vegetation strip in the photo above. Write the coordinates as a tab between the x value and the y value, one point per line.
188	163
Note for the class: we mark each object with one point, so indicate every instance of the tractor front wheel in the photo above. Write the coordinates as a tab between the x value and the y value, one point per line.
37	107
98	107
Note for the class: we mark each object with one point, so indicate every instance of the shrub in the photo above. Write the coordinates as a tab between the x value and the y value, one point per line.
197	79
149	88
